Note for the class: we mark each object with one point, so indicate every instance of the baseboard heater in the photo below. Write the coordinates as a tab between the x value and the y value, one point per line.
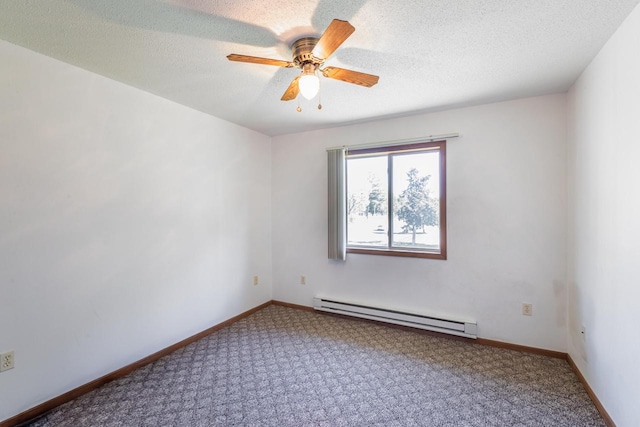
438	324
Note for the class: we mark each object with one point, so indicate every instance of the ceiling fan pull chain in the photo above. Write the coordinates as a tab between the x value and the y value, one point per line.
298	109
319	91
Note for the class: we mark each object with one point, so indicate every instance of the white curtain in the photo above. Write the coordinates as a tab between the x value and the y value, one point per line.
337	203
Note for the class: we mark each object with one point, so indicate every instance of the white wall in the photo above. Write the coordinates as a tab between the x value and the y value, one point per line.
604	229
127	223
506	222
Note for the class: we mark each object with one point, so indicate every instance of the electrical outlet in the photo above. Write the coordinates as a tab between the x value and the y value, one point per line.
6	360
303	280
255	280
527	309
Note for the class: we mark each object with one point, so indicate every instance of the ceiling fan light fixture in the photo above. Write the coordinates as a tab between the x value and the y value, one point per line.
309	83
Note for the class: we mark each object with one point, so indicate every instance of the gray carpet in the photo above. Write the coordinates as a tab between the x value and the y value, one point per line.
287	367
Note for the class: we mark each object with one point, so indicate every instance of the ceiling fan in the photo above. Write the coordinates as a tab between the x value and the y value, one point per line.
309	54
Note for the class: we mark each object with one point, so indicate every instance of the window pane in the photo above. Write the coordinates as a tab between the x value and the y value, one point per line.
416	193
367	205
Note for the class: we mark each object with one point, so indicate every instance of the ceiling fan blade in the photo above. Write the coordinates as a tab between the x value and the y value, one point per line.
350	76
258	60
292	90
336	33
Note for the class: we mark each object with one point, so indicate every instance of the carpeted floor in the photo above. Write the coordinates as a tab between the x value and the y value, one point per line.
287	367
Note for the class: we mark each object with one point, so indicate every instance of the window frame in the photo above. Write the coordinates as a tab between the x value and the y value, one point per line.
389	150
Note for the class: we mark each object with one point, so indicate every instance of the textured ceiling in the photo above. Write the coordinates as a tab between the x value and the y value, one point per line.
430	55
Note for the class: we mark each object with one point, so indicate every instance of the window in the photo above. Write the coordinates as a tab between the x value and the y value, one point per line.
396	200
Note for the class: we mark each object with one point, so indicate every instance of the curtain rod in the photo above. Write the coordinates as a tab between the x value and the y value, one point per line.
399	141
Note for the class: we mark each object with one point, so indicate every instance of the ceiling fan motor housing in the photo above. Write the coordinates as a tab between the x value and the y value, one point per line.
302	52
